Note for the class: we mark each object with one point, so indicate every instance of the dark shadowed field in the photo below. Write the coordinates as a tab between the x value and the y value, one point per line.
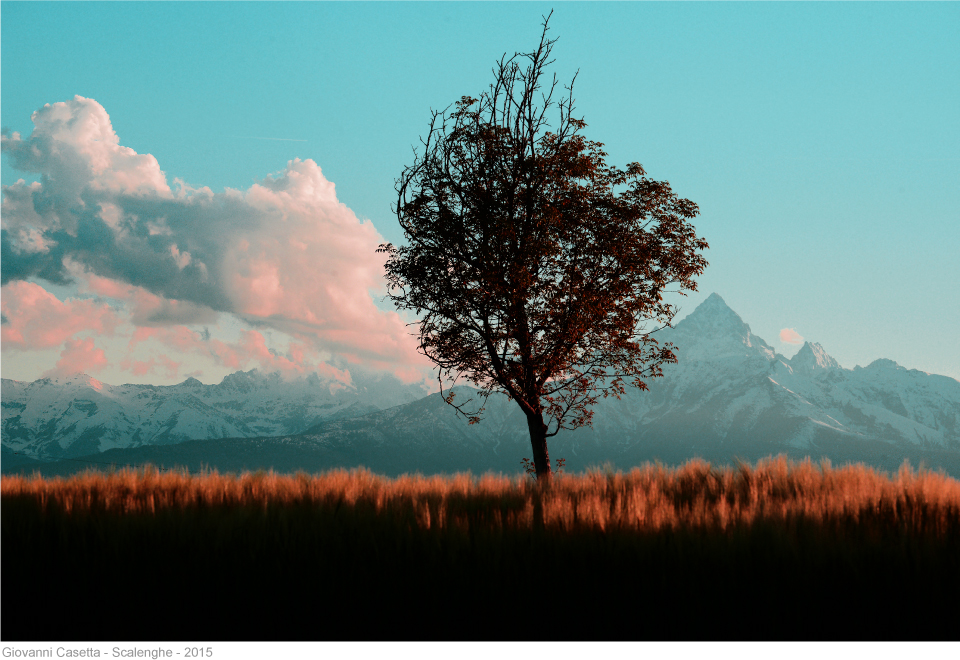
780	551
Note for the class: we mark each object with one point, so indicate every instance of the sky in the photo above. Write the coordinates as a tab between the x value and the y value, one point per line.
190	189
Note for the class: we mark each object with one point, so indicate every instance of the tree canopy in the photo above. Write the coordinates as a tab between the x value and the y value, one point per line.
534	267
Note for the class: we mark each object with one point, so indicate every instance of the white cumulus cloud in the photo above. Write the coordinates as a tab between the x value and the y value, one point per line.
282	254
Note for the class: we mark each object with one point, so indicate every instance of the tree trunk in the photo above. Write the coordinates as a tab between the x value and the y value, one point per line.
538	440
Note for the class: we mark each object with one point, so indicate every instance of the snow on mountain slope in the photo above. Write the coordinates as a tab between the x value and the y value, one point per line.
729	390
730	384
80	415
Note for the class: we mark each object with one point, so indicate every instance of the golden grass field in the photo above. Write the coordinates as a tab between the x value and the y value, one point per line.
779	550
651	498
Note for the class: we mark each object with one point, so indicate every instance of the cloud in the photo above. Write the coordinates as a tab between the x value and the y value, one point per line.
251	348
79	356
74	147
36	319
25	225
282	254
185	340
147	309
161	364
790	336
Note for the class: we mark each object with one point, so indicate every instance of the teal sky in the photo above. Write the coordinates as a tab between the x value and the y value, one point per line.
821	142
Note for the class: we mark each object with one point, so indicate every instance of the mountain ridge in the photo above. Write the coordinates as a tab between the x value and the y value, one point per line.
730	394
51	418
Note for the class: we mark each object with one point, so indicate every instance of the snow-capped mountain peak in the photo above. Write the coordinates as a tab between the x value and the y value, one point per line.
54	417
714	313
713	330
811	358
884	363
75	380
730	384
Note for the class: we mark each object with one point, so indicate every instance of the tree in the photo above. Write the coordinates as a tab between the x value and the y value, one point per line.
534	268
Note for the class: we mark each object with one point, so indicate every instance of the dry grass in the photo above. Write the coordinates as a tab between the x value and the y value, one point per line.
649	498
780	550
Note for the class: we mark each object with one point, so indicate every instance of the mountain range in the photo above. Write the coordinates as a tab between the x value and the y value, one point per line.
69	417
729	396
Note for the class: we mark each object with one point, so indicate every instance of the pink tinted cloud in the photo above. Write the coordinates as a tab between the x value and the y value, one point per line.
151	309
161	364
790	336
90	282
36	319
145	308
409	375
284	253
79	356
254	346
251	348
185	340
310	270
